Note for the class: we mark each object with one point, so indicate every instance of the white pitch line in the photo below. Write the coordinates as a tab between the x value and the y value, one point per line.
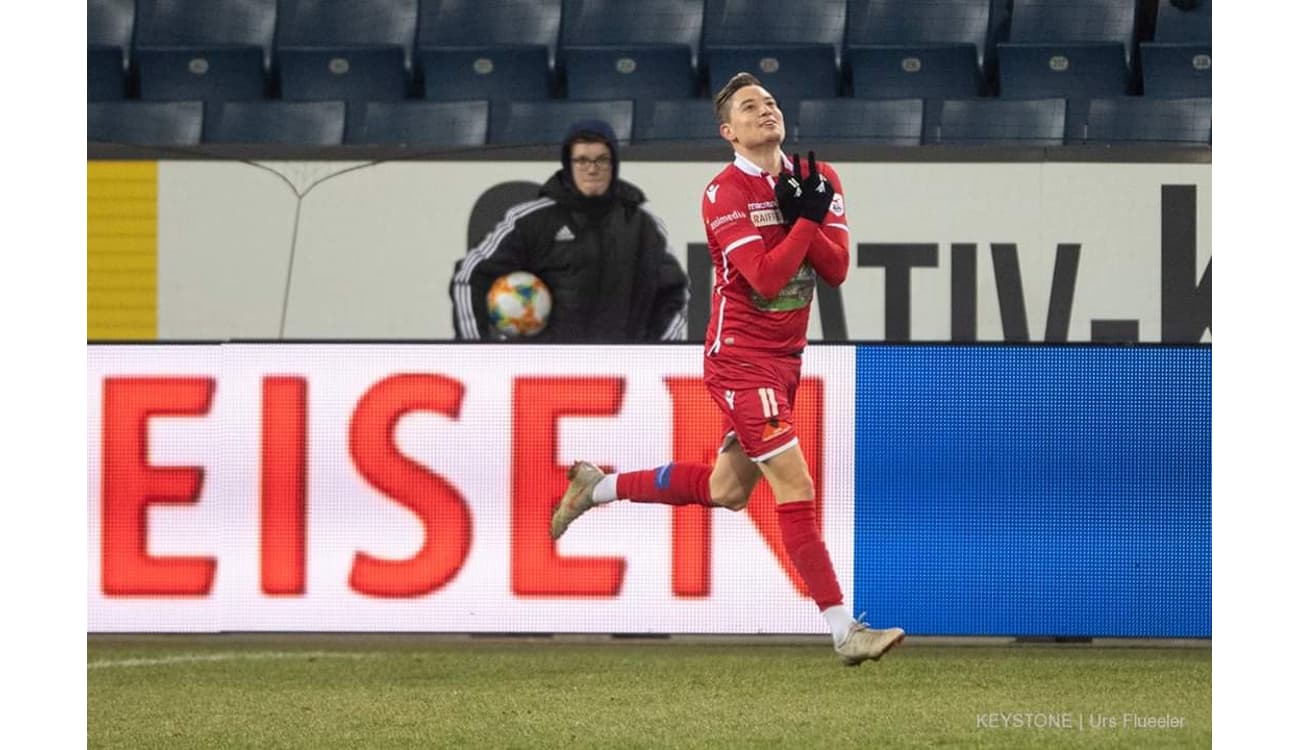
229	656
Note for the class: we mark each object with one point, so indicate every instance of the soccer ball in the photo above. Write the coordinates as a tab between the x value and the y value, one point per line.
518	304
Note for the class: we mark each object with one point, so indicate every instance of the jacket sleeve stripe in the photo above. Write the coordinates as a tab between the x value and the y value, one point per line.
676	330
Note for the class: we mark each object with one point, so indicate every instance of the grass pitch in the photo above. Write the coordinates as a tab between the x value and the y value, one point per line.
370	691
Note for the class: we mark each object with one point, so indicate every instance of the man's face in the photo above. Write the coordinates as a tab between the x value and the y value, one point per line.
592	168
755	118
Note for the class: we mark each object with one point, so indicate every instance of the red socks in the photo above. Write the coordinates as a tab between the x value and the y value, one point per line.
670	484
804	545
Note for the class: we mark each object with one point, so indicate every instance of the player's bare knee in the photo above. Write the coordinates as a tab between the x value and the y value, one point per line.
734	500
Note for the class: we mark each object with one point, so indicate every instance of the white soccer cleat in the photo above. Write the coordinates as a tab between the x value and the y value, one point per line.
864	643
583	478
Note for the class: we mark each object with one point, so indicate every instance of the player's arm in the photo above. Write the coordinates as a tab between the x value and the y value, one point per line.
502	251
766	269
829	251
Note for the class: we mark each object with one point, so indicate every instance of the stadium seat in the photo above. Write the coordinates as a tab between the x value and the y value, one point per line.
1074	22
495	73
940	71
295	123
546	123
682	120
791	74
1077	72
111	23
772	23
206	26
618	23
1175	71
428	124
210	74
347	29
471	23
643	74
919	22
886	122
1179	25
145	123
1139	120
1008	122
105	75
347	73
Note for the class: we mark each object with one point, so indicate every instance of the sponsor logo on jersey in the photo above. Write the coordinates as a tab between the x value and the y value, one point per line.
726	219
837	205
712	192
761	206
766	218
775	428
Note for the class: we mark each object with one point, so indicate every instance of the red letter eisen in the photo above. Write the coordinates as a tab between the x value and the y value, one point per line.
130	485
284	485
538	482
440	508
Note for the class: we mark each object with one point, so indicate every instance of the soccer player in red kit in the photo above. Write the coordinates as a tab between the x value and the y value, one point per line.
772	231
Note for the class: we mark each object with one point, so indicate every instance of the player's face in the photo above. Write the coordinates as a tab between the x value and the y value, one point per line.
592	168
755	119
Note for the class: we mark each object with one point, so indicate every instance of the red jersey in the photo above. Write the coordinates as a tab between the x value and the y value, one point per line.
742	221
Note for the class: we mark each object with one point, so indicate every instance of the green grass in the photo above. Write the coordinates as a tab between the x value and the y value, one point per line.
402	692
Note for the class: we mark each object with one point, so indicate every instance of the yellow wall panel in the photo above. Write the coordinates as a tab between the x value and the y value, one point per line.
122	250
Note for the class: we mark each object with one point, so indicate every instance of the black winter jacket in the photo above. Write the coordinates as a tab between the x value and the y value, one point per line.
605	260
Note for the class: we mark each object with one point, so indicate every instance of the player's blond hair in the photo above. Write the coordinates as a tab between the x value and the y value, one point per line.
722	99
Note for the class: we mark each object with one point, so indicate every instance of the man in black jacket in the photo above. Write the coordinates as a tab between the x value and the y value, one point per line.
591	240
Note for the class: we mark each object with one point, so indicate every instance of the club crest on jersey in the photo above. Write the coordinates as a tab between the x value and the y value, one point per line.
712	192
837	205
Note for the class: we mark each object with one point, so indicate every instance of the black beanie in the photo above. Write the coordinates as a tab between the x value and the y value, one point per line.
589	130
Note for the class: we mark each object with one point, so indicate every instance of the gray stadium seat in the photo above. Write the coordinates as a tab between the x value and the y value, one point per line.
347	73
473	23
1144	121
683	120
772	23
939	71
290	123
1075	21
919	22
886	122
145	123
1183	25
1077	72
105	75
1173	71
340	25
427	124
643	74
791	74
1007	122
538	123
210	74
111	24
207	25
619	23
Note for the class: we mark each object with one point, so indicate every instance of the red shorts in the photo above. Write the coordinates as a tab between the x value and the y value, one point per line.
756	397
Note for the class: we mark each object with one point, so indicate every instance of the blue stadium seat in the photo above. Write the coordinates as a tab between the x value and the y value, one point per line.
1174	24
1175	71
1077	72
111	23
939	71
643	74
618	23
683	120
292	123
105	76
345	25
1075	22
145	123
210	74
348	73
1139	120
919	22
1008	122
428	124
473	23
885	122
791	74
772	23
499	74
207	25
529	123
